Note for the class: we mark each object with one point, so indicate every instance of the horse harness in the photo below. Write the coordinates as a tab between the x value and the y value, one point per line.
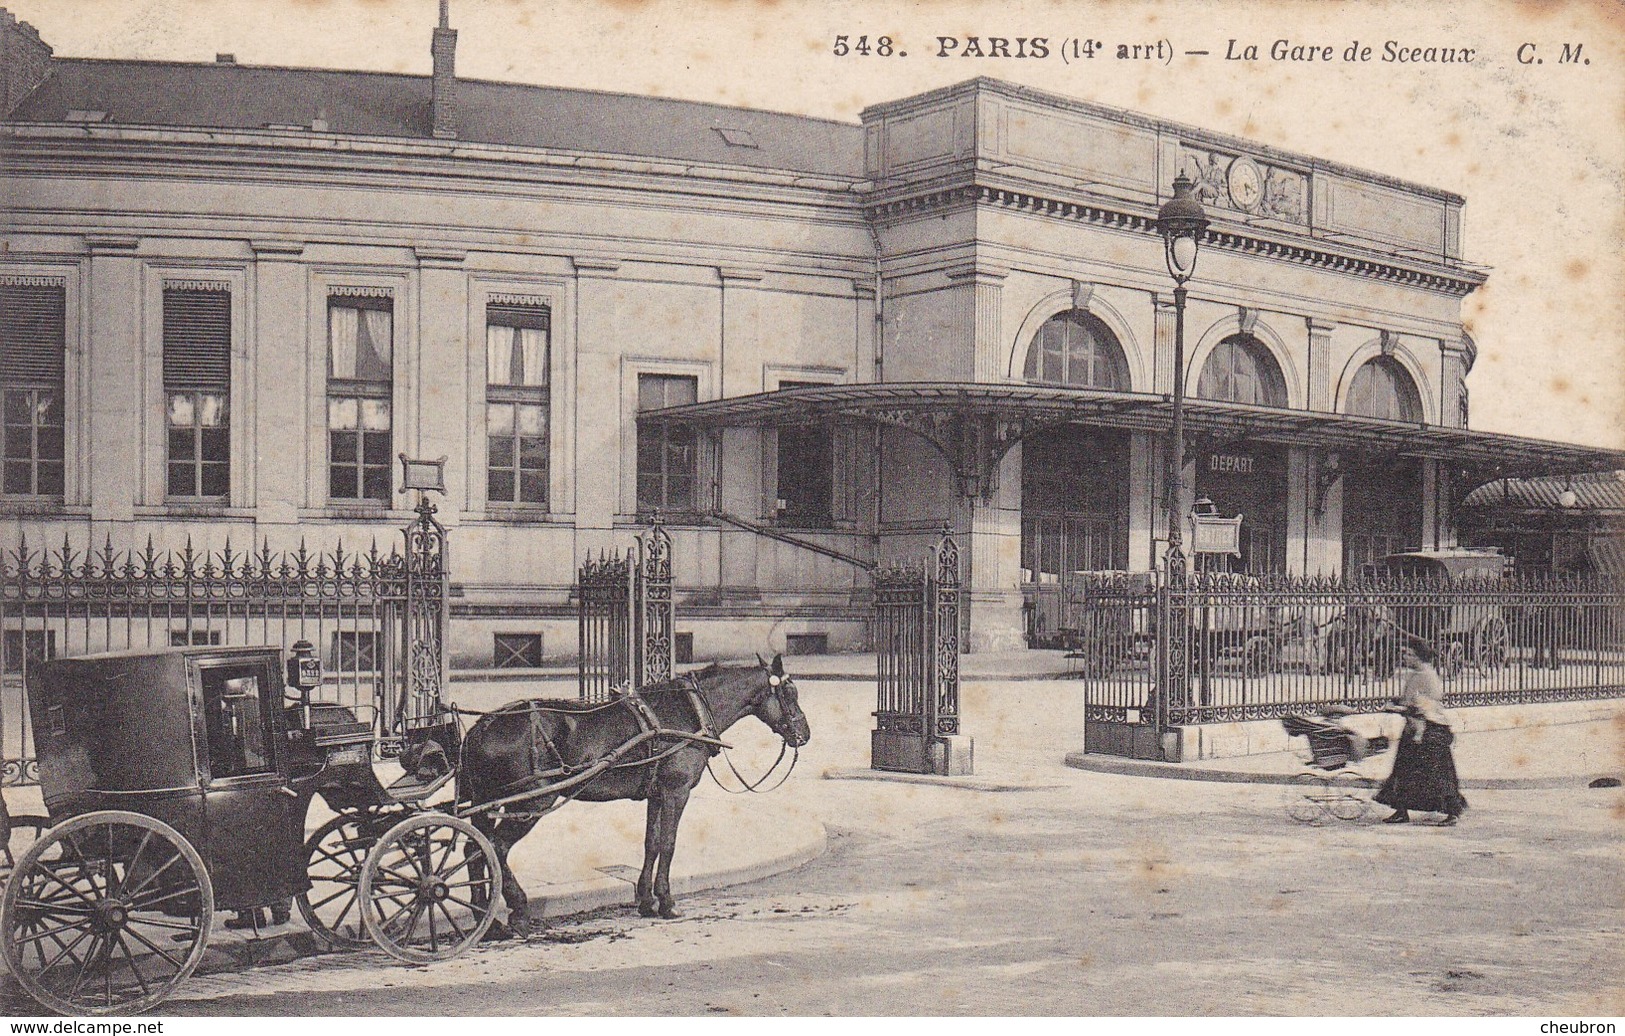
652	744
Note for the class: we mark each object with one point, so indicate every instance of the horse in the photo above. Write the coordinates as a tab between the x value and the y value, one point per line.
652	745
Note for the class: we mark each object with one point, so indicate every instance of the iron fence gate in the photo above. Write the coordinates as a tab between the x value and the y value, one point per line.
1247	648
377	620
625	612
917	645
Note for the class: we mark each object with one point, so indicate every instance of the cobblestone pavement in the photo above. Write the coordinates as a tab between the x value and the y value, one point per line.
1090	894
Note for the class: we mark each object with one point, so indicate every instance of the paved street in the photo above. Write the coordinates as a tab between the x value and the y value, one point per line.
1088	894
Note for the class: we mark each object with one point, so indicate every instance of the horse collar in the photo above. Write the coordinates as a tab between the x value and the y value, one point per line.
702	708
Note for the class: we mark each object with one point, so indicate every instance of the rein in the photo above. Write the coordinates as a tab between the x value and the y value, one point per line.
746	786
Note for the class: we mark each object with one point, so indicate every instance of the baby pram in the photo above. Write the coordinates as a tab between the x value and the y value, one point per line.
1332	783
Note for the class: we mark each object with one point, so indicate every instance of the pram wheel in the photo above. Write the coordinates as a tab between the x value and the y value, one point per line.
1348	796
1306	798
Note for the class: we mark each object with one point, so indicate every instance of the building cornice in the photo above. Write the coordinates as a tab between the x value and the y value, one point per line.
896	204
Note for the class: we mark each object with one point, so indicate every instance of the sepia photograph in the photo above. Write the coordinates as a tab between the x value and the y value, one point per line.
688	509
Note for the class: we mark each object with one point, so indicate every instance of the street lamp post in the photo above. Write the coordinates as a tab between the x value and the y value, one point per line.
1180	222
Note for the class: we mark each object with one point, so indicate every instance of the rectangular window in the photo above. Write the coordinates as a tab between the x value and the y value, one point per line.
516	396
33	344
355	652
194	638
806	486
360	350
667	455
516	650
197	384
31	647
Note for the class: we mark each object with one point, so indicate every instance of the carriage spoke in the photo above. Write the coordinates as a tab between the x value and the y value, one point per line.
135	969
408	880
452	921
176	858
67	951
348	891
167	925
54	876
148	904
130	866
390	920
53	907
84	966
49	933
149	944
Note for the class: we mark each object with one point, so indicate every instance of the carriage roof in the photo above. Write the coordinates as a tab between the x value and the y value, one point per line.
127	721
1452	562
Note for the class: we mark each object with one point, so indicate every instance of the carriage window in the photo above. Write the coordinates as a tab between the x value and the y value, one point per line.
238	706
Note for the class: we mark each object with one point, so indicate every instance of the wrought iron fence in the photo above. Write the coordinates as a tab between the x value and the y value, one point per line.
625	612
1247	648
916	637
378	620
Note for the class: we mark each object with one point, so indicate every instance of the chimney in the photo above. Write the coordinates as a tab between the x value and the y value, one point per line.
25	61
444	50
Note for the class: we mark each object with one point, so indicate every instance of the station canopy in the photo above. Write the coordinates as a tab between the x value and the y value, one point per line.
974	423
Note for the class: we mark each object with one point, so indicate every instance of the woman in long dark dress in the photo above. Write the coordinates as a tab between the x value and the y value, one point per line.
1424	774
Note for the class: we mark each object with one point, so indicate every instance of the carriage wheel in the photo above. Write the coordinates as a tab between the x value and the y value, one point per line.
106	913
1452	656
335	857
1490	644
1305	798
22	831
1349	796
429	888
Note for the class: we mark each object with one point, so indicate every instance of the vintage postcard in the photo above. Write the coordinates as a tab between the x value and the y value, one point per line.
692	508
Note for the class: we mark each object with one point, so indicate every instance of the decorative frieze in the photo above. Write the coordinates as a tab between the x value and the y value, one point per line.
170	285
18	281
1242	184
360	291
510	299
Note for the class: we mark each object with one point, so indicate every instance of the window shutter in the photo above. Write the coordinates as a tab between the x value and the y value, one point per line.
534	317
197	339
33	332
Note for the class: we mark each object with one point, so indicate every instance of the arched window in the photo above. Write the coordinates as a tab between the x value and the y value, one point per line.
1241	370
1076	348
1383	388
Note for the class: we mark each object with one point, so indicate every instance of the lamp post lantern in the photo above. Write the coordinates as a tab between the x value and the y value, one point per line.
1180	222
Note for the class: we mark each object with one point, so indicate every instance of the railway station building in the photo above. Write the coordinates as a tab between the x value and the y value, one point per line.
232	296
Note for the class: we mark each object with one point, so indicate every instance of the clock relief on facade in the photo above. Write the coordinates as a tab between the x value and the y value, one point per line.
1245	182
1242	184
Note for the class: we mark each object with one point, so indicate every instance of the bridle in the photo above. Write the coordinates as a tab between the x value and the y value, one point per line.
774	683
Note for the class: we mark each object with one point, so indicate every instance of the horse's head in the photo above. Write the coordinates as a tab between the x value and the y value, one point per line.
778	706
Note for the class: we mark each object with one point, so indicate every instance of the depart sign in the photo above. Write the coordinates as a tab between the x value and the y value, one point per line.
1230	463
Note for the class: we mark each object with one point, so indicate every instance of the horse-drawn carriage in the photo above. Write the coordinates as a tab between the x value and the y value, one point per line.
1464	628
178	783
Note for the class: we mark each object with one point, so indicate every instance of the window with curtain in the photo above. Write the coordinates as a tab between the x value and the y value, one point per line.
1240	369
516	404
197	388
1077	348
33	345
360	335
1382	387
667	456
